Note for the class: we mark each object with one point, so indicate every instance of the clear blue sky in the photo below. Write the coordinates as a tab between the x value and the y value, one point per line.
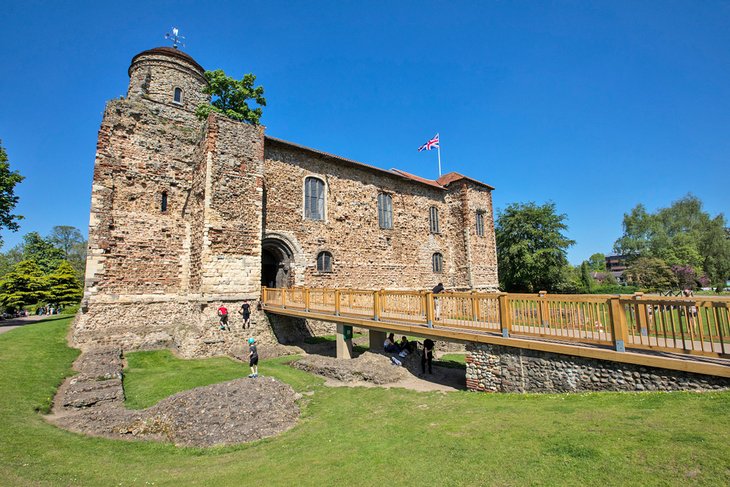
596	106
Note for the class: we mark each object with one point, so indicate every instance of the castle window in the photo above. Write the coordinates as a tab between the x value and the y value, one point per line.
385	210
177	96
163	202
314	198
433	218
480	223
324	262
437	262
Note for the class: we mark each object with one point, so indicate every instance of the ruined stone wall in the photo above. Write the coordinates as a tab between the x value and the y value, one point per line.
364	255
136	247
231	255
496	368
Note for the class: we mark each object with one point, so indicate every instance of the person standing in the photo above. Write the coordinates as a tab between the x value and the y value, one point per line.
223	317
253	358
427	356
436	301
246	313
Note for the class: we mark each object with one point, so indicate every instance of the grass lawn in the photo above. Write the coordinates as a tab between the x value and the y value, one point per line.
364	436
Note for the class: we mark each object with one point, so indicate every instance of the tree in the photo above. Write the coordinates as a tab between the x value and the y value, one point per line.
8	200
42	252
597	262
531	249
63	286
586	279
230	97
73	245
25	284
682	234
650	273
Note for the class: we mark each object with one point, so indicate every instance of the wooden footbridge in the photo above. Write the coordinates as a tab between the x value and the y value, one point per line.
686	334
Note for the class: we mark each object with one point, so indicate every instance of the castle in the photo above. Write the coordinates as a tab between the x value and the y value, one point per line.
189	214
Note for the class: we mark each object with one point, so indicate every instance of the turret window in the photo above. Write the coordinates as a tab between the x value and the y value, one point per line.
163	202
177	96
480	223
385	210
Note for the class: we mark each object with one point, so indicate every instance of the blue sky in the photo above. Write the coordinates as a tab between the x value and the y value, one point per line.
595	106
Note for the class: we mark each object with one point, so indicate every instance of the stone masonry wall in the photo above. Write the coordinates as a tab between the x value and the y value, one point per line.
495	368
364	255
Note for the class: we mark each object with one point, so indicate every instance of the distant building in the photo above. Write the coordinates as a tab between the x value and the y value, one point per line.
616	265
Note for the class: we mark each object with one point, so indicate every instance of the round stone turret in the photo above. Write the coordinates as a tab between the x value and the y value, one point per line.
167	75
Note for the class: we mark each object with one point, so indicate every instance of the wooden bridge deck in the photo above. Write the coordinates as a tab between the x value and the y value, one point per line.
667	333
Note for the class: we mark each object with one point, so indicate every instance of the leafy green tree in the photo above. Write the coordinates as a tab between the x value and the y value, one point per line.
651	274
231	97
8	200
63	285
597	262
25	284
42	252
531	248
682	234
73	245
586	279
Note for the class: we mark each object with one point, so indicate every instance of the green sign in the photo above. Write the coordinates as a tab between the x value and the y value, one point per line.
347	332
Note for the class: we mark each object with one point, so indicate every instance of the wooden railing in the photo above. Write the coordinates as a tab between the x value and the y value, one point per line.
688	325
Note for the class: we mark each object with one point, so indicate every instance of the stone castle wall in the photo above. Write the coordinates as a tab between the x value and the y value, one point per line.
365	255
156	275
496	368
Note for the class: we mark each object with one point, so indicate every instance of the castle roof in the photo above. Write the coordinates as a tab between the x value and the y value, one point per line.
168	51
441	183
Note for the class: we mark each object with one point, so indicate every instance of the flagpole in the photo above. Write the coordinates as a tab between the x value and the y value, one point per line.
439	152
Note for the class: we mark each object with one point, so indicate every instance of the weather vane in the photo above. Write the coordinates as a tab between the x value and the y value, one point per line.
176	39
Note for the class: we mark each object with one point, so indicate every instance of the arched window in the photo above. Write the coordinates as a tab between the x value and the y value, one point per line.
314	198
324	262
163	202
480	223
385	210
177	96
433	219
437	262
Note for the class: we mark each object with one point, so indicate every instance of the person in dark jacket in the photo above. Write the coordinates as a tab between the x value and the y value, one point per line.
427	356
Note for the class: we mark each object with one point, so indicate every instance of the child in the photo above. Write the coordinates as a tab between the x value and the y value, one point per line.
246	313
253	358
223	314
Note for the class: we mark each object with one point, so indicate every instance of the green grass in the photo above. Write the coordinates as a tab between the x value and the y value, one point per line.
368	436
452	360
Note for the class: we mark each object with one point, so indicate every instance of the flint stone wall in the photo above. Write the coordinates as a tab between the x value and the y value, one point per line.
189	327
496	368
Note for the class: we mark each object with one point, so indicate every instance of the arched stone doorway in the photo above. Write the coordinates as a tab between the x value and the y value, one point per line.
276	259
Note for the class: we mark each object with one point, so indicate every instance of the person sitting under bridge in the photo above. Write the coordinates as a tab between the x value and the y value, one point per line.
390	346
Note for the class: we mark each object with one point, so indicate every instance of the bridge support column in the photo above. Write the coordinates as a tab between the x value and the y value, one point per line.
344	341
377	338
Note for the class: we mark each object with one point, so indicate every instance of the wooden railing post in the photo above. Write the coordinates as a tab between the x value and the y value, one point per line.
475	305
544	309
641	314
505	317
619	328
376	305
283	297
264	291
429	309
337	302
307	299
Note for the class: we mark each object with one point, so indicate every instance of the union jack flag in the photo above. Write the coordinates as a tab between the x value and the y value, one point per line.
431	144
